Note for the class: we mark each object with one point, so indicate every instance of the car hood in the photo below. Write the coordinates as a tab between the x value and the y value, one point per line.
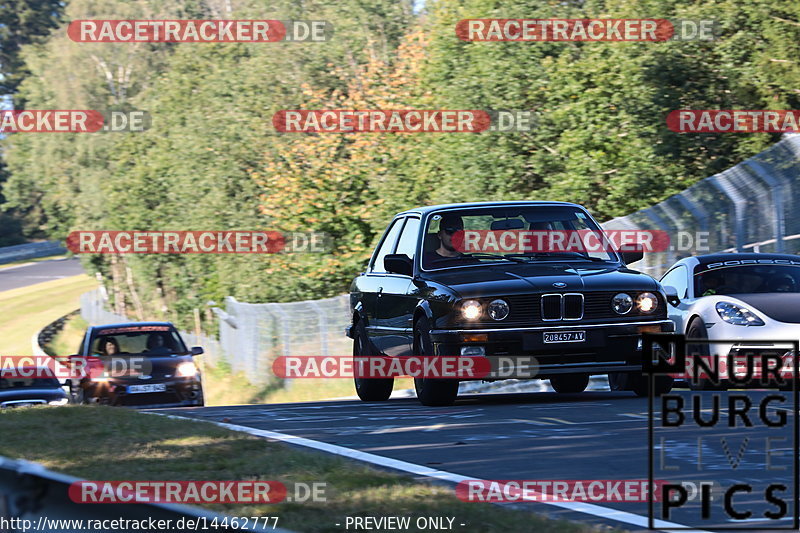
780	306
510	279
46	394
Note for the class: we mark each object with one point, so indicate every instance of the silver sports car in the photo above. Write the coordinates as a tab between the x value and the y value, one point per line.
748	299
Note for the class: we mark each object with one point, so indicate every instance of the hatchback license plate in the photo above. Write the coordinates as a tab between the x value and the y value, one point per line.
564	336
154	387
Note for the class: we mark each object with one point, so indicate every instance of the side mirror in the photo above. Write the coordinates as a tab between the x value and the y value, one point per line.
632	256
197	350
672	295
398	264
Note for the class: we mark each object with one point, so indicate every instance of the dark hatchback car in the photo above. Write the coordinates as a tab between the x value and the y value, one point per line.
136	364
563	315
19	391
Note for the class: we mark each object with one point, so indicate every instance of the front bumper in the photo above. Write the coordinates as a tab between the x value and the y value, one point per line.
180	392
522	352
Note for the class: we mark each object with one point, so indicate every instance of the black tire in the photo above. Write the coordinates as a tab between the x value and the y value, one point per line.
433	392
697	330
369	389
569	383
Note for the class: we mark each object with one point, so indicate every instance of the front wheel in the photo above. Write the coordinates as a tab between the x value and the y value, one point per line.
433	392
369	389
697	330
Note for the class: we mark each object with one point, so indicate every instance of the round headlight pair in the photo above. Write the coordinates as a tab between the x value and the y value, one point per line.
497	309
646	302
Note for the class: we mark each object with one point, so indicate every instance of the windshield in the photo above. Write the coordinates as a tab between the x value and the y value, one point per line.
520	234
743	279
28	383
139	340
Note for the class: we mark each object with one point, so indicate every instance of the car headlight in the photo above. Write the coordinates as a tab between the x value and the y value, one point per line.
470	309
646	302
622	303
498	309
60	401
738	315
186	369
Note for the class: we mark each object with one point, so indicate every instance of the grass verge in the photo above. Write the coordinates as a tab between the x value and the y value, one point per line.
126	444
26	310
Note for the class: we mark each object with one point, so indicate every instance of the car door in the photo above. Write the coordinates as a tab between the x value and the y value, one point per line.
395	306
371	284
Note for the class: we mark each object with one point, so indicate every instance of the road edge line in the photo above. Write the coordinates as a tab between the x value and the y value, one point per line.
412	468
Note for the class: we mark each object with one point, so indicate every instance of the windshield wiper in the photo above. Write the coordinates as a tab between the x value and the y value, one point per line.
482	255
560	255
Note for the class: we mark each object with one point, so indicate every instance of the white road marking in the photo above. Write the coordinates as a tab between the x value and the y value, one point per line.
420	470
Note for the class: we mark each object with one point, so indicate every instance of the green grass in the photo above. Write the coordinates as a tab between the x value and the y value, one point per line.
105	443
26	310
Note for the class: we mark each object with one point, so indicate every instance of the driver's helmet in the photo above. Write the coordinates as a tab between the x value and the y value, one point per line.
782	283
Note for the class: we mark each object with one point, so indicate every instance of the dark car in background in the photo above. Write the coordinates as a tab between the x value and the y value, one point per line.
575	314
18	390
137	364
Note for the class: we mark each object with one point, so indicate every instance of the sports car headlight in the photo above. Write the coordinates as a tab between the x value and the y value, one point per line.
646	302
470	309
186	369
738	315
622	303
60	401
498	309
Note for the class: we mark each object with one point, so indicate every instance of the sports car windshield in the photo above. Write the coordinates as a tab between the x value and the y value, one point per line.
744	279
512	234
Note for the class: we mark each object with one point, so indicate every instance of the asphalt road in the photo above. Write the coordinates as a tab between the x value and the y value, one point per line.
546	436
17	276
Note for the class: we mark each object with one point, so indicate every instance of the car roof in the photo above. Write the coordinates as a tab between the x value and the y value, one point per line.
424	210
736	256
133	324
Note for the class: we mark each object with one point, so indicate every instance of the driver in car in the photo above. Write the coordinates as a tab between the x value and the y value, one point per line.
446	254
157	344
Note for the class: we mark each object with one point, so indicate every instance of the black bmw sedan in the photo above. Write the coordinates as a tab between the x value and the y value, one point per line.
535	288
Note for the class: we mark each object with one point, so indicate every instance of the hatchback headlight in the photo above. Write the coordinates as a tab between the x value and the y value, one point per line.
187	369
738	315
498	309
622	303
470	309
646	302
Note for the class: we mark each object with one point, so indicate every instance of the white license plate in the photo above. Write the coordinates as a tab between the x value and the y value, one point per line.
564	336
153	387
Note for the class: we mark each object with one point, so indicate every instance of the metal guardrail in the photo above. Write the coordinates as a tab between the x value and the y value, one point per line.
30	492
32	250
748	208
